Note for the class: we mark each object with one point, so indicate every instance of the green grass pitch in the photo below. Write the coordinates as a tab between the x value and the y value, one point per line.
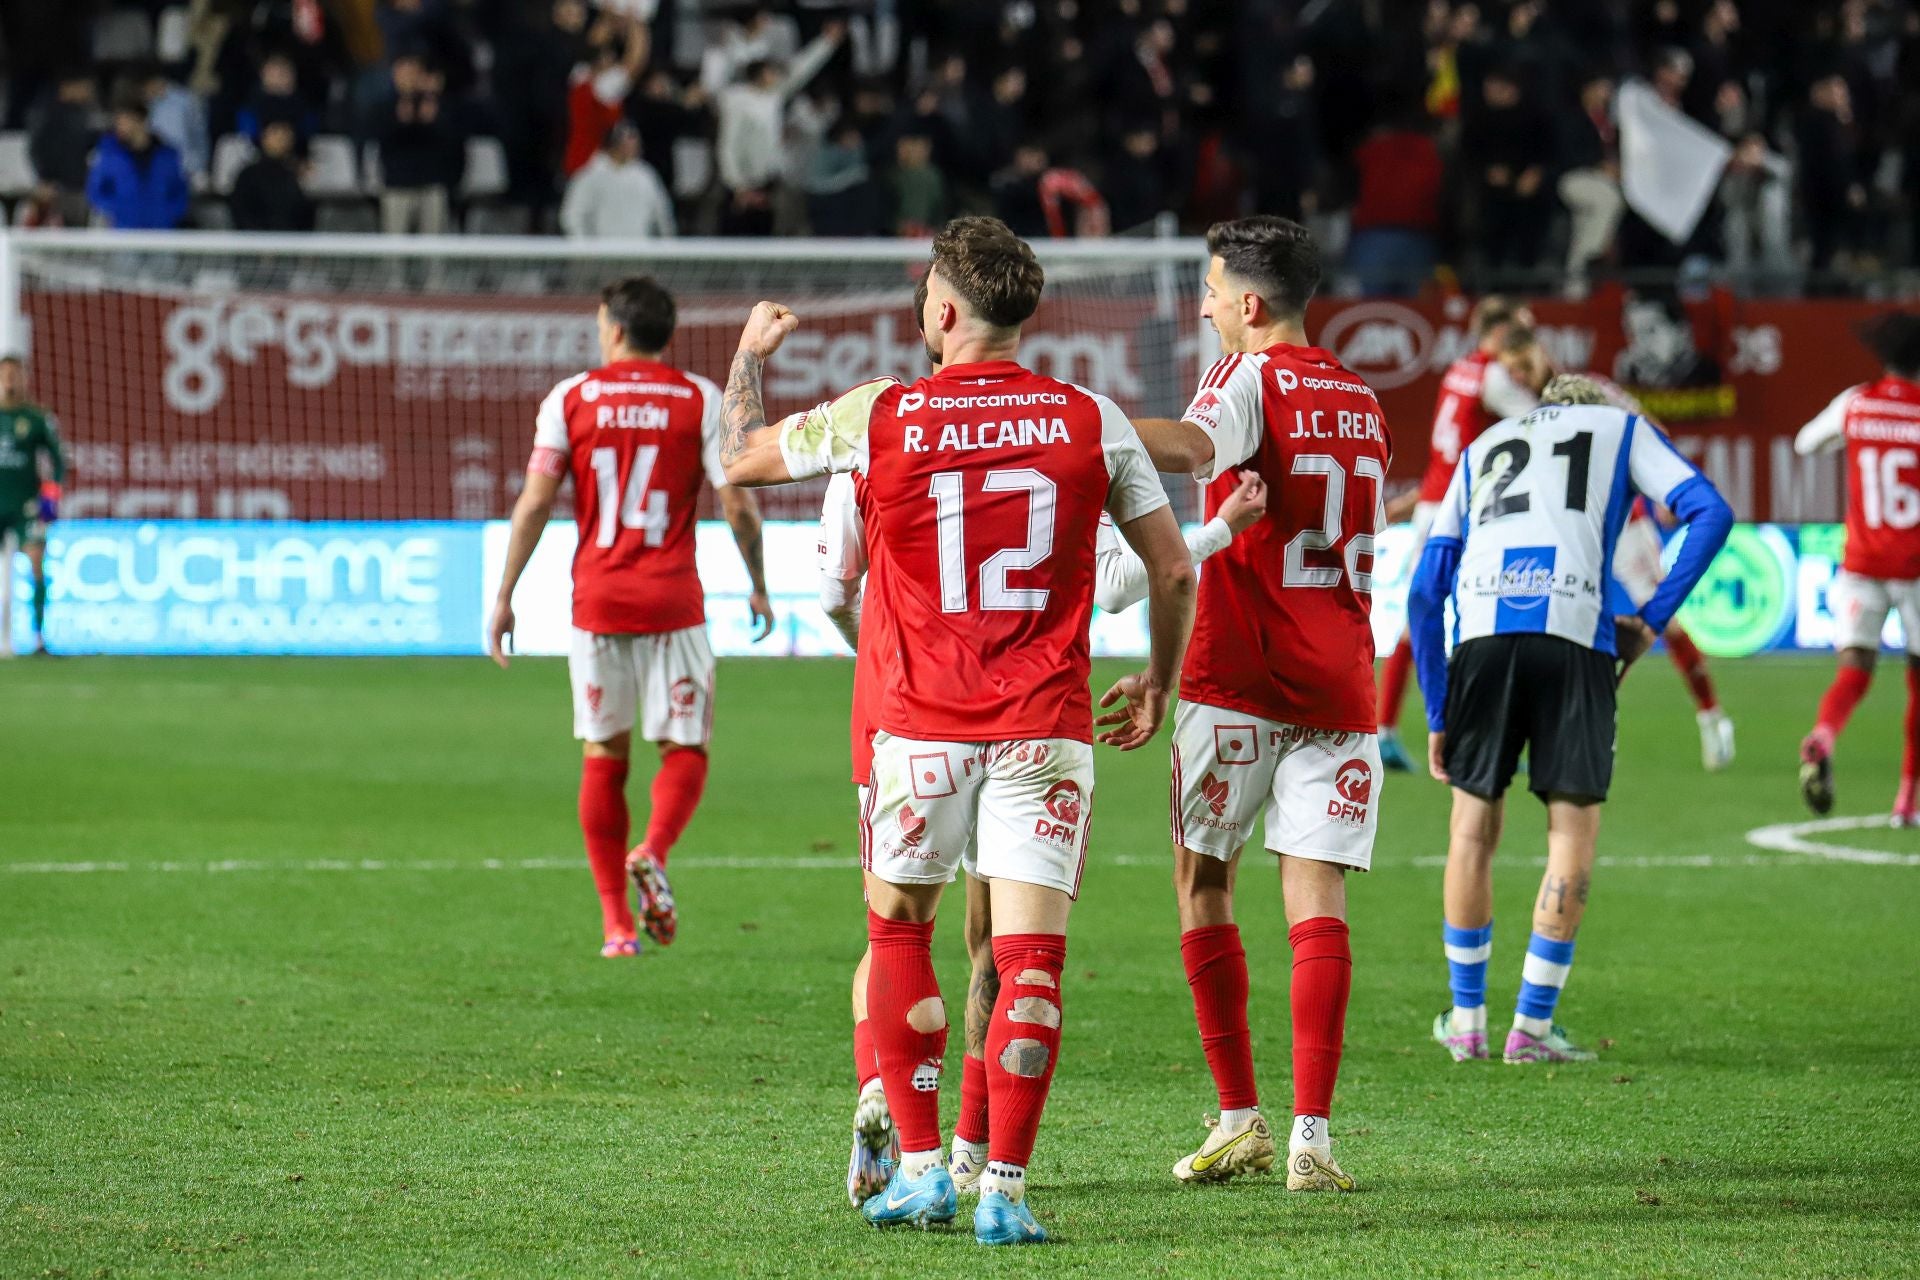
292	1022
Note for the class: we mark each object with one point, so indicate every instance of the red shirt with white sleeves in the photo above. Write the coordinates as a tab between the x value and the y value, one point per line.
639	439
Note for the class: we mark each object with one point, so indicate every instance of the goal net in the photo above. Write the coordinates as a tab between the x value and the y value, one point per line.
377	378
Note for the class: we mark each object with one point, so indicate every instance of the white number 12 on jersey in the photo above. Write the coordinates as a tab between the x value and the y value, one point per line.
950	526
638	509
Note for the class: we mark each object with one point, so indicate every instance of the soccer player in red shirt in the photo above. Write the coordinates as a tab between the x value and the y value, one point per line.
639	437
1276	702
985	488
1878	424
1475	393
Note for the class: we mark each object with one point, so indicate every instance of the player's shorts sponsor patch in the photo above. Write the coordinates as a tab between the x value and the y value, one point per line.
682	698
1353	785
932	775
1215	792
1236	743
1061	823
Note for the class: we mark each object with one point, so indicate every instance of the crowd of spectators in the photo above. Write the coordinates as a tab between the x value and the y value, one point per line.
1480	138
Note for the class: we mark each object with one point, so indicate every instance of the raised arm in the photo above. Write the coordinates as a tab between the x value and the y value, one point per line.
1176	447
1827	431
750	449
530	515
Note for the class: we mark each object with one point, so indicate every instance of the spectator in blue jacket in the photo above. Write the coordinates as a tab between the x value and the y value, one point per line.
137	182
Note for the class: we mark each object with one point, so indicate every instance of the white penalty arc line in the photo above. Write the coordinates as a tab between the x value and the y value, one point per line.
1798	855
1791	837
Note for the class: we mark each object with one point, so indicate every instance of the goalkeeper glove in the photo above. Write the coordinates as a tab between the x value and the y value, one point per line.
49	501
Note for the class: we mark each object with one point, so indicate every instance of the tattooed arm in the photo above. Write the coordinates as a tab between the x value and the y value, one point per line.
749	448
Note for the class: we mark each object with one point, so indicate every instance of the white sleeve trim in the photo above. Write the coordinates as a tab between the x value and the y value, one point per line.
1828	429
550	421
1133	486
712	428
1236	420
1503	397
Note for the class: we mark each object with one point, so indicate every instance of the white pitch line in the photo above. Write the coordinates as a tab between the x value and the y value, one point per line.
1790	837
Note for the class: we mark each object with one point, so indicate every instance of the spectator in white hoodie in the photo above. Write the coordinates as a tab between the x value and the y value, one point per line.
617	196
750	151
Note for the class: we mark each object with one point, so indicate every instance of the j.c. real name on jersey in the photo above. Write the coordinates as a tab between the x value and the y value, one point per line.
1346	425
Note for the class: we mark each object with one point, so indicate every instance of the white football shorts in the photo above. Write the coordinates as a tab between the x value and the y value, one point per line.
969	858
1317	787
1636	560
1859	607
1023	806
667	678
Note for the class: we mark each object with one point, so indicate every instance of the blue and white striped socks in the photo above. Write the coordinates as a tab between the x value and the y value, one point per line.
1541	978
1467	953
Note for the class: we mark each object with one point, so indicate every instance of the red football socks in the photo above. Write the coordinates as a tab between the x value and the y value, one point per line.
603	821
1322	977
1843	695
866	1067
1393	682
1217	972
676	794
909	1025
971	1127
1023	1043
1692	664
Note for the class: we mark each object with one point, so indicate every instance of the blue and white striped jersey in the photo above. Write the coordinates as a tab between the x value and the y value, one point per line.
1536	506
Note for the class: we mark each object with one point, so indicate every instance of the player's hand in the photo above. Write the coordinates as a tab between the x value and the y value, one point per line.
762	610
768	325
1632	637
1437	754
1134	724
1245	505
499	629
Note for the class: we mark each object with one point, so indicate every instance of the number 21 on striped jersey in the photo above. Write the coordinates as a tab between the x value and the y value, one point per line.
1297	572
638	509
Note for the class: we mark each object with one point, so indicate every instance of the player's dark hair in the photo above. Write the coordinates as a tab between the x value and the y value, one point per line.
645	310
1276	256
1491	312
992	269
13	357
1894	338
920	306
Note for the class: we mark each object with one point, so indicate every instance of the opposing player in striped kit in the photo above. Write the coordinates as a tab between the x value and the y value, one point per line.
1522	547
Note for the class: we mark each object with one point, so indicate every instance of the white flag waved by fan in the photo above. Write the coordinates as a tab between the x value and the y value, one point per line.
1669	163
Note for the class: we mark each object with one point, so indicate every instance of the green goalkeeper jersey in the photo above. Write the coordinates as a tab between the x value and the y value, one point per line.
27	433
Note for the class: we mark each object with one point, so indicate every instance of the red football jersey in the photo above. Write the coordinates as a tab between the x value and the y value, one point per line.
1459	416
1283	629
1881	424
639	438
985	485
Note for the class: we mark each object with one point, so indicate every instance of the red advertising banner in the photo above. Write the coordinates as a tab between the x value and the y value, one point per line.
364	406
